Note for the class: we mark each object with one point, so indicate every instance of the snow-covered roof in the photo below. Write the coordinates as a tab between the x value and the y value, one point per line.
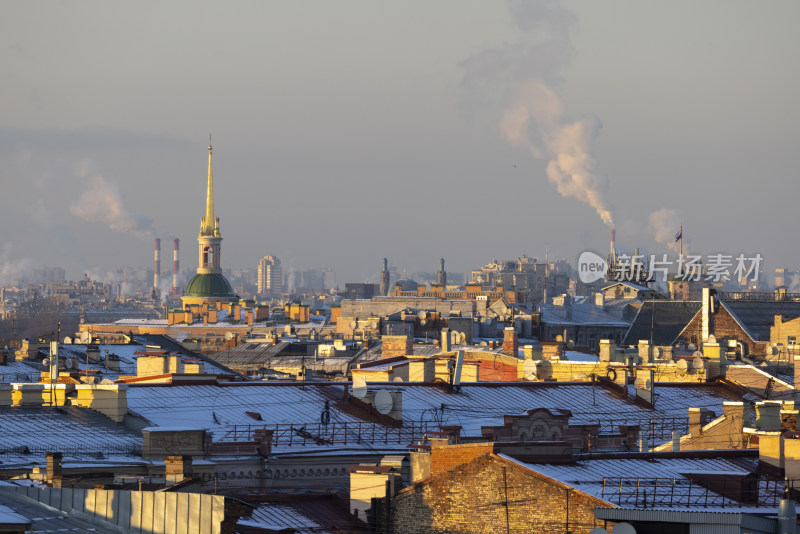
295	405
75	432
624	481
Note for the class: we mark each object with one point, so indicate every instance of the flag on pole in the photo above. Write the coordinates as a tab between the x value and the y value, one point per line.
679	235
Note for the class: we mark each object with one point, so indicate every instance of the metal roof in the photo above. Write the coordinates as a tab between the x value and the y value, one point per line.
663	479
587	314
249	354
305	514
45	518
703	522
76	432
217	407
208	285
661	320
757	316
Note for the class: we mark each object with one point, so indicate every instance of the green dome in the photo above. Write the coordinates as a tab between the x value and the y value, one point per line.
406	284
208	285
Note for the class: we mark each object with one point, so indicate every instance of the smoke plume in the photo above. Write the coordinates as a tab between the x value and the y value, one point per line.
101	202
525	79
13	271
665	225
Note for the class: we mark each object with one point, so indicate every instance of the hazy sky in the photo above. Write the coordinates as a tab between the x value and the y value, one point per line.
348	131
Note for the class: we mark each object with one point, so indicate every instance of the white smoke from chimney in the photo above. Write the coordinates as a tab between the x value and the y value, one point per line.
665	224
101	202
794	285
13	271
534	115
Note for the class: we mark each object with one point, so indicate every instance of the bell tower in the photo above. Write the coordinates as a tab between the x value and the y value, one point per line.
208	286
210	238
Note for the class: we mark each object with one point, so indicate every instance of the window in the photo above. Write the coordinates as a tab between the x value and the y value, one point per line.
792	340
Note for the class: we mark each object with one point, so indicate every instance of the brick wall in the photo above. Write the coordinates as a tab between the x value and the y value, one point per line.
491	494
444	459
722	326
396	346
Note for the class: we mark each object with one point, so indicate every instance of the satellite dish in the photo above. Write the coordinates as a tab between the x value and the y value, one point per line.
228	336
691	347
383	402
397	379
106	382
570	344
68	363
697	354
85	337
487	320
373	325
698	363
359	387
529	370
682	365
423	314
598	530
46	362
580	376
712	338
67	340
423	322
623	528
657	352
462	337
353	325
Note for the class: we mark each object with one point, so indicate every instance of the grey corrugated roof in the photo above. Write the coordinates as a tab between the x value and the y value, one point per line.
74	431
757	316
582	314
249	354
477	405
661	320
305	514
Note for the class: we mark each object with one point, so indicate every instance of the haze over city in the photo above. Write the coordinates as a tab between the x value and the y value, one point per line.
346	132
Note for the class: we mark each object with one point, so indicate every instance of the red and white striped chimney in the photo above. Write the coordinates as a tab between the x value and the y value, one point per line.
157	269
175	269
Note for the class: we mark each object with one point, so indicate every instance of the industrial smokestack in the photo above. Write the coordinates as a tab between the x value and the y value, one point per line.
158	265
613	252
175	270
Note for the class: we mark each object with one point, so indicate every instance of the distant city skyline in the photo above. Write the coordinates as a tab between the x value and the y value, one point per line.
347	133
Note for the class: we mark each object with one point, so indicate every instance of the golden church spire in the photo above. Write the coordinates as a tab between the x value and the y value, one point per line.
209	224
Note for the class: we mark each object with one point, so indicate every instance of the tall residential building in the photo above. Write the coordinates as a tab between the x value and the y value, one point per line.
270	275
208	285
